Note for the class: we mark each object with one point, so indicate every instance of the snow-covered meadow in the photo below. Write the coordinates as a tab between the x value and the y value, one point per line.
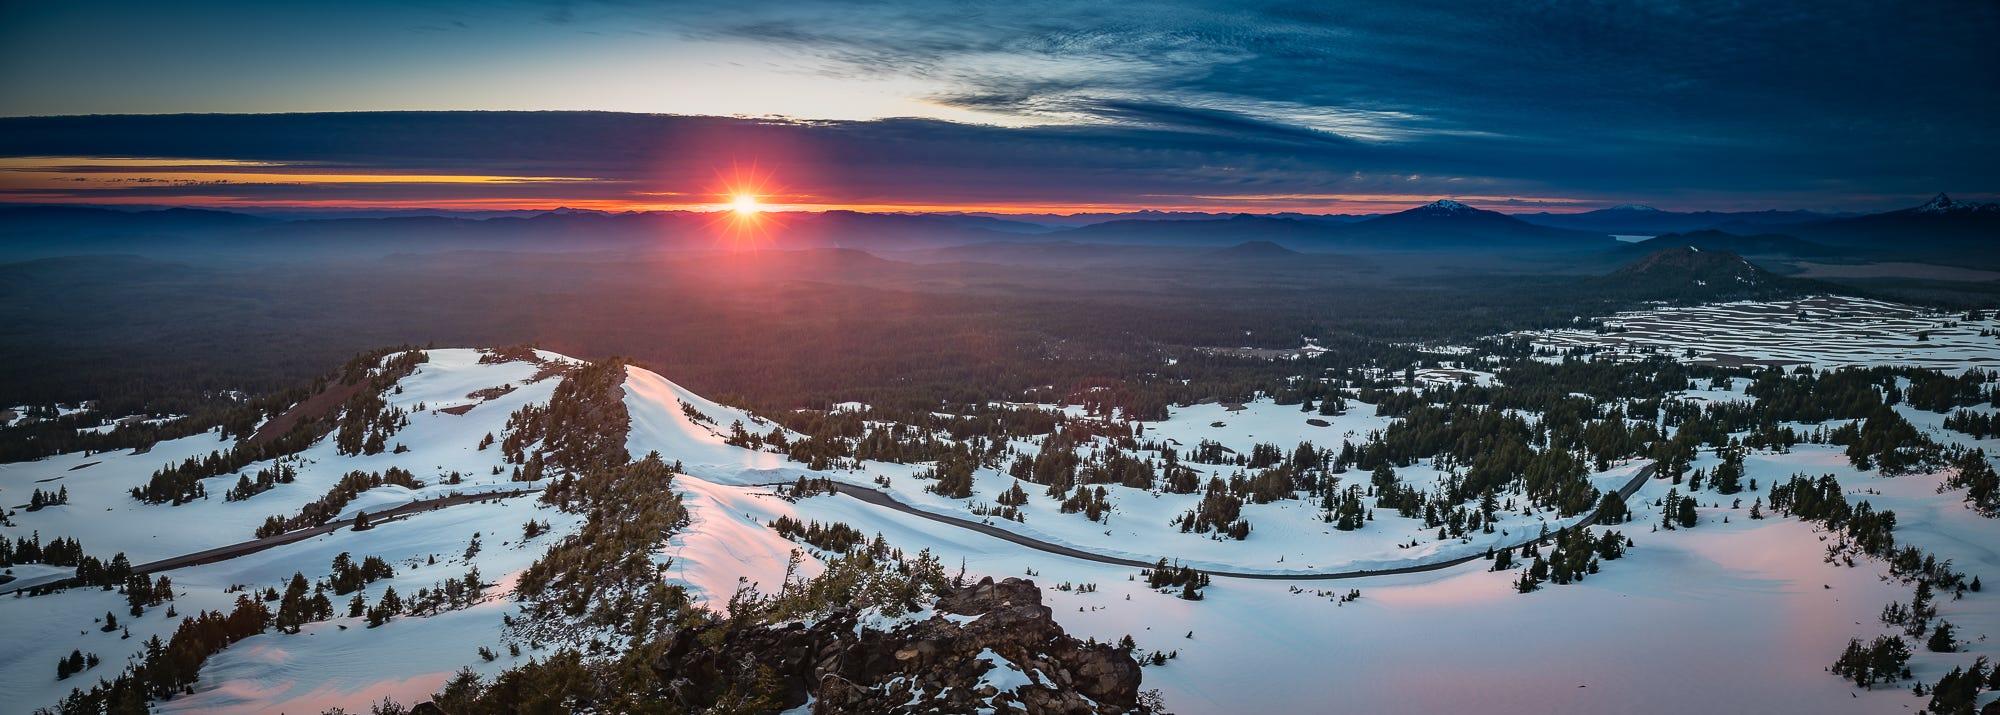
1821	332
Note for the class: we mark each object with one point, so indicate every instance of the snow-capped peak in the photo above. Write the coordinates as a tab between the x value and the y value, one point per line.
1445	206
1943	204
1632	207
1940	204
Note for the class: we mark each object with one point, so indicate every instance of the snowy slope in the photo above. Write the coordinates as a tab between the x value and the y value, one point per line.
1740	616
661	423
108	520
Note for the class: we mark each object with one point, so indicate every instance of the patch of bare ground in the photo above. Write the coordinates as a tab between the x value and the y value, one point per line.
527	354
322	404
490	393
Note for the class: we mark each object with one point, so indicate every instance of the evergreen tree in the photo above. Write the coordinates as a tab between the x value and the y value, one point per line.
1944	638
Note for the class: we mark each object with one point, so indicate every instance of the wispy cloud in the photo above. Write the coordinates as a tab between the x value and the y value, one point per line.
1087	102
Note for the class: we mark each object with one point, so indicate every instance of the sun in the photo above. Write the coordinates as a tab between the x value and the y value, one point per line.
747	207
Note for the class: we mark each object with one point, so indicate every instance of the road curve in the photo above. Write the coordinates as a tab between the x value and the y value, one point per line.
245	548
880	498
871	496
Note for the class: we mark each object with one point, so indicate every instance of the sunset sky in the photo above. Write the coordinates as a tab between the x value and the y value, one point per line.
1011	107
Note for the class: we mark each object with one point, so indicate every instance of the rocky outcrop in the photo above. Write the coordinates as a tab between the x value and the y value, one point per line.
988	646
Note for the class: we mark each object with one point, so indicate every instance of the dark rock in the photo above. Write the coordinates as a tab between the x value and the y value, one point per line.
933	665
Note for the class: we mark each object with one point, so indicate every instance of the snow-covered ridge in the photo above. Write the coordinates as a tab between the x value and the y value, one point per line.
681	425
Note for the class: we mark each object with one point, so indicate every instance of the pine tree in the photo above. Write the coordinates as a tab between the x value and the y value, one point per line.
1943	639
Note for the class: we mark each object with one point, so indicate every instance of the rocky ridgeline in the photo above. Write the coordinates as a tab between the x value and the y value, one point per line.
929	666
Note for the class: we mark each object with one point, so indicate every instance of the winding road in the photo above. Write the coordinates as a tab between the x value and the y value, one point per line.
871	496
245	548
880	498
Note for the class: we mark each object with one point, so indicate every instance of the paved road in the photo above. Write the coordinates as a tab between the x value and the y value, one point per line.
872	496
245	548
882	499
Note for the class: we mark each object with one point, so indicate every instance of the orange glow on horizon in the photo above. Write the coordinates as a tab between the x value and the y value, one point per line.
725	205
746	199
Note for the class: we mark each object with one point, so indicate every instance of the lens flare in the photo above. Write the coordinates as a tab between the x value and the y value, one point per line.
741	216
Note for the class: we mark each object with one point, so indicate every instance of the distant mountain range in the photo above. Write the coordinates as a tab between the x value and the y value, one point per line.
35	231
14	219
1940	227
1938	230
1440	225
1637	220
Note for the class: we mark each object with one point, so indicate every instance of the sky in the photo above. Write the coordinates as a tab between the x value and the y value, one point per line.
1009	106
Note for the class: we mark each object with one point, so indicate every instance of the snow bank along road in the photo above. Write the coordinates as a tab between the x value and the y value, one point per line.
882	499
245	548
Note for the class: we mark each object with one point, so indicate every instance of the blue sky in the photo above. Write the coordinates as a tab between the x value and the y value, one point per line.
1234	106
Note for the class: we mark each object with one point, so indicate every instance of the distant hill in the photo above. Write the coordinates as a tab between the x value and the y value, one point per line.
1211	232
1941	228
1768	245
1447	224
985	222
1045	252
1255	250
1061	221
1686	273
1638	220
1685	263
